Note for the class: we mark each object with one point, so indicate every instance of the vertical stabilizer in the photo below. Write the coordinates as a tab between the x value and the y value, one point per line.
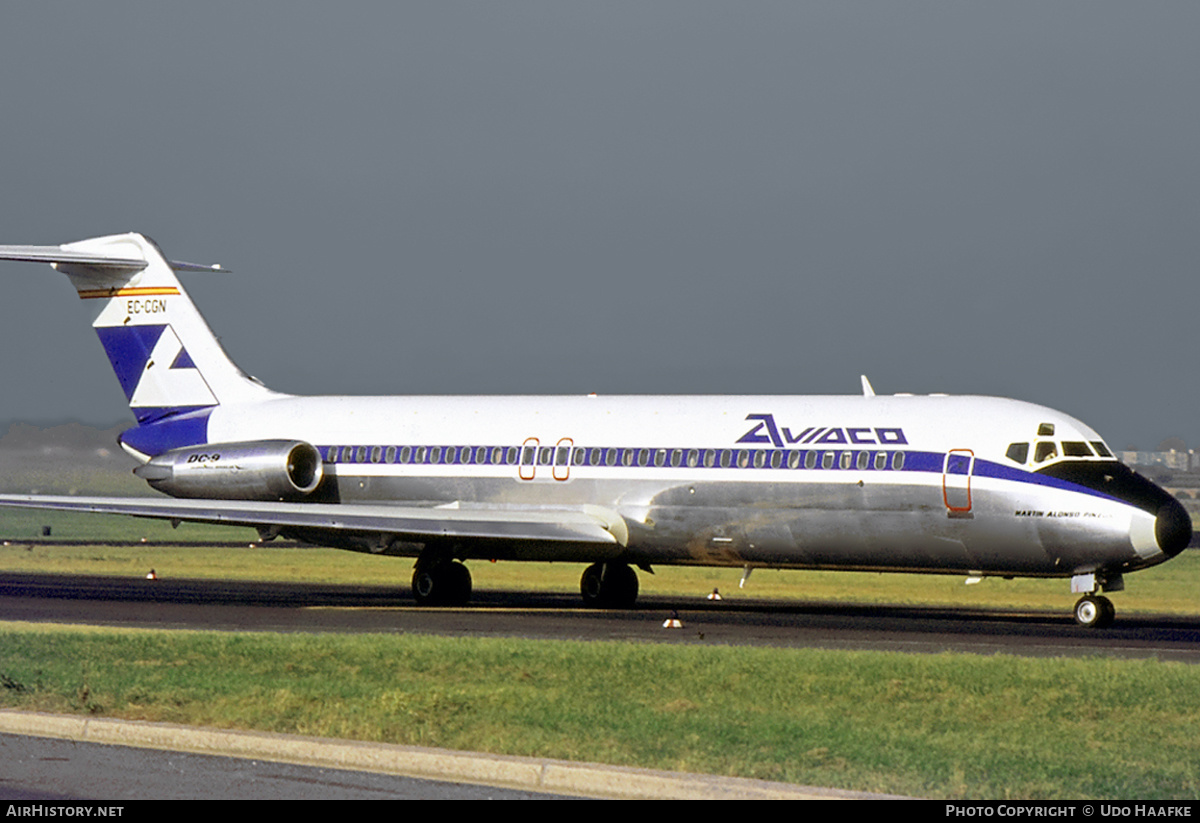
166	358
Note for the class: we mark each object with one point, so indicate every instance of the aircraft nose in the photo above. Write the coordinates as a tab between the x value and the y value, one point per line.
1172	528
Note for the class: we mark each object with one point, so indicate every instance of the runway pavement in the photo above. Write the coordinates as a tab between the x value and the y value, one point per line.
242	606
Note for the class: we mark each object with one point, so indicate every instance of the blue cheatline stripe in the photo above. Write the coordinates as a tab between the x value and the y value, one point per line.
189	427
710	459
179	428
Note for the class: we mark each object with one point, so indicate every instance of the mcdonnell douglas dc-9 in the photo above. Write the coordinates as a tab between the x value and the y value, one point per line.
976	486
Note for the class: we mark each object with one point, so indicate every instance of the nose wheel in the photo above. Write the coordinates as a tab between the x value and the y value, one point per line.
1094	611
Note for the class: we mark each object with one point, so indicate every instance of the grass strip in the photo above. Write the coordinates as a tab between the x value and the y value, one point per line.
957	726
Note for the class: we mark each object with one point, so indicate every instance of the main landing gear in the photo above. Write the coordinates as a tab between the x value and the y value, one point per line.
447	582
609	586
441	583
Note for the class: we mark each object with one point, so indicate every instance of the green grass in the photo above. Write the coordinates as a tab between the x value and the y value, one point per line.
934	726
27	524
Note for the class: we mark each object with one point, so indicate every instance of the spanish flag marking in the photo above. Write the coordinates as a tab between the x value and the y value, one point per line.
141	291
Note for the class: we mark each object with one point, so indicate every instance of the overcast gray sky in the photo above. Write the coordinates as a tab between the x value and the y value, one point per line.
624	197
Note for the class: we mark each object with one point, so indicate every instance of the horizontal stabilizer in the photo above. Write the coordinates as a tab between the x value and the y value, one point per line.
57	255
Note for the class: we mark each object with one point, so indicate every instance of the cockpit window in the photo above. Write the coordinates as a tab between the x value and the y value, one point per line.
1018	452
1101	449
1045	450
1045	430
1075	448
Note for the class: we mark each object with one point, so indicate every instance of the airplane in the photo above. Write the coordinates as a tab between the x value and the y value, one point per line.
965	485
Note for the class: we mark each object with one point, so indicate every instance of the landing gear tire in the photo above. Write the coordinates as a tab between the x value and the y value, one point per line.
609	586
1094	611
441	584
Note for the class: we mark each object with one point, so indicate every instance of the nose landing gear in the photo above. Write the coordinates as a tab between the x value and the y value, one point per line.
1094	610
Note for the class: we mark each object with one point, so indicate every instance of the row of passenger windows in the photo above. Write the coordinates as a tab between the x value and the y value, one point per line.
596	456
1048	450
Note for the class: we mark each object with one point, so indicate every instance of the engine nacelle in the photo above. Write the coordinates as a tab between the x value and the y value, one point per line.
256	470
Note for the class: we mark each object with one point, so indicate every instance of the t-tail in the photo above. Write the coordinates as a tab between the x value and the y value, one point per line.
169	363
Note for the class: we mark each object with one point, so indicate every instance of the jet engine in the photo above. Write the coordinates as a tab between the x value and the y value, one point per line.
255	470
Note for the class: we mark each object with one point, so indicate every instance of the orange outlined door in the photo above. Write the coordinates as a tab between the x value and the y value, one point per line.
562	458
528	465
956	480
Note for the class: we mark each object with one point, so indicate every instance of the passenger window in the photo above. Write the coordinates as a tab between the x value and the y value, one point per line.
880	460
1045	450
1018	452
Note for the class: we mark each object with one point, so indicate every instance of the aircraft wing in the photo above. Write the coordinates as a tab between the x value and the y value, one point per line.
586	525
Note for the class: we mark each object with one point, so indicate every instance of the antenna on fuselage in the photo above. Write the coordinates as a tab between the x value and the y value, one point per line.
868	391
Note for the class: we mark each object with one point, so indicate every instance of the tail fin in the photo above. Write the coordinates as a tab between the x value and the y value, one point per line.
166	358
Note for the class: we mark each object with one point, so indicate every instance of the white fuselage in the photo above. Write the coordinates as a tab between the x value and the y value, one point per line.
873	482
